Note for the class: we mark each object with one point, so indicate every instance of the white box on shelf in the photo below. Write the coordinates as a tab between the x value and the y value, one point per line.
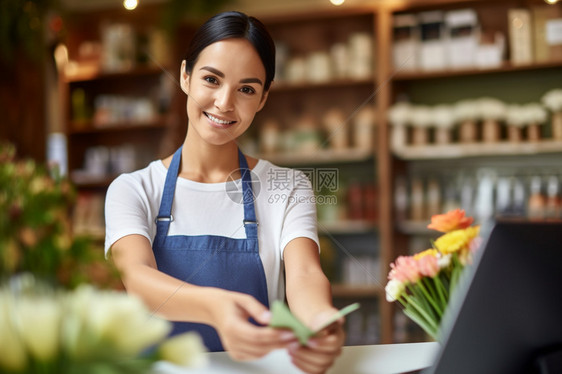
490	55
554	31
464	36
406	40
433	40
520	36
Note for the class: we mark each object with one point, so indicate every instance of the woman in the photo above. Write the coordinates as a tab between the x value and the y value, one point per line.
194	237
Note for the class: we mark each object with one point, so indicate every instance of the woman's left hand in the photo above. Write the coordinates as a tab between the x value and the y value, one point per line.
320	352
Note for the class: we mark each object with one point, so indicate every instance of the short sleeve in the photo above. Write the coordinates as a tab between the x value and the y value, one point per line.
127	211
300	218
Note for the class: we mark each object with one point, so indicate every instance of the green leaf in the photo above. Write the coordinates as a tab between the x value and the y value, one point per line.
281	317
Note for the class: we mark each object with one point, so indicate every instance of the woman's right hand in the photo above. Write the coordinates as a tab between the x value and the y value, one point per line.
242	339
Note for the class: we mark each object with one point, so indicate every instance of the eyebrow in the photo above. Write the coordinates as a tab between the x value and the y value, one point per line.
221	74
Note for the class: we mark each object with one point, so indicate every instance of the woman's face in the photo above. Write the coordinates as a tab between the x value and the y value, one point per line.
225	89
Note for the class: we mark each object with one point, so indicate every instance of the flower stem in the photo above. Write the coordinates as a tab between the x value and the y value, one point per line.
430	298
440	290
422	312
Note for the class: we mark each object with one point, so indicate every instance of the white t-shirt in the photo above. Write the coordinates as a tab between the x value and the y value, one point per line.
284	205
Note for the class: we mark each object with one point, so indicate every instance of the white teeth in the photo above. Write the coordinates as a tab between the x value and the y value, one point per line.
219	121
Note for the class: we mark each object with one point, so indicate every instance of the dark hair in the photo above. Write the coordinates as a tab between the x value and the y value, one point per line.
228	25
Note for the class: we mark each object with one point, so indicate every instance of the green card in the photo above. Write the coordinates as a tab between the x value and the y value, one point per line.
282	317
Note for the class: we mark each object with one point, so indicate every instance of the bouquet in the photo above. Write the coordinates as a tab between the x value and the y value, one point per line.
35	229
48	330
423	283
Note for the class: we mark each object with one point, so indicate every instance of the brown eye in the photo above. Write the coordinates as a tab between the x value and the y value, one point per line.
211	80
248	90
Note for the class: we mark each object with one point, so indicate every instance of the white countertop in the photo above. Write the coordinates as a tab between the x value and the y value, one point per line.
367	359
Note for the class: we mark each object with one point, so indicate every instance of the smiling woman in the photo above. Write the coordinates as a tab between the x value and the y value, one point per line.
225	91
197	256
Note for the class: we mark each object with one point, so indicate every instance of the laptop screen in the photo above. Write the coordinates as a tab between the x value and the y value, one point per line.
507	310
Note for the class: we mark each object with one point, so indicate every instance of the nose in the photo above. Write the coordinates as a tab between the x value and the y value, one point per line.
224	100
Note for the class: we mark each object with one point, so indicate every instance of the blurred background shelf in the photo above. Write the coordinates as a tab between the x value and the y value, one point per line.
319	157
451	151
357	291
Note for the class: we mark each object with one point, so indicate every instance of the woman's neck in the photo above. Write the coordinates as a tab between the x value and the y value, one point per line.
207	163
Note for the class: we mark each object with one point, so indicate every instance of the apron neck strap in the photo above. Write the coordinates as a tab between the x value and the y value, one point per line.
165	212
250	220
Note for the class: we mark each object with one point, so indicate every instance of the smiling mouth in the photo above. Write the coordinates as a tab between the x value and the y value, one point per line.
218	121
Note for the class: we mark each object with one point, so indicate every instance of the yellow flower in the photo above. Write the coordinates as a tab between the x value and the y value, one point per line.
427	252
457	240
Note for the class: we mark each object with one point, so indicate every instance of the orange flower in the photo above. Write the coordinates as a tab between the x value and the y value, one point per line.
452	220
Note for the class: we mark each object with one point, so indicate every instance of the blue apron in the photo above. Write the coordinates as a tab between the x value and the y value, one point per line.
210	260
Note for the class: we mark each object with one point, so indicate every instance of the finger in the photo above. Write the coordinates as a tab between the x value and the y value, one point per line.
254	342
251	333
331	328
246	349
310	369
331	347
255	309
328	343
310	361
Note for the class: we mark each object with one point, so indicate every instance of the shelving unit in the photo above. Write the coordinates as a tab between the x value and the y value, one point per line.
85	133
302	36
119	119
509	82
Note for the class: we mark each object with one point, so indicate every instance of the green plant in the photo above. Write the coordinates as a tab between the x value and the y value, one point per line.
35	229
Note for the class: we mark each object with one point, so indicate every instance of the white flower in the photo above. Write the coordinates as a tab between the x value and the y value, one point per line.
131	326
444	261
108	317
533	114
553	100
465	110
13	356
184	350
38	321
400	114
443	116
515	115
421	116
77	339
490	108
394	289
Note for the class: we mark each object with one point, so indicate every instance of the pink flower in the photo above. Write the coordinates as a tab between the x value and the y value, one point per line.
404	269
428	266
452	220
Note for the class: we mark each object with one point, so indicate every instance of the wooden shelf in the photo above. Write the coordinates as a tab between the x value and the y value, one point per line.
91	181
347	227
478	150
88	128
323	156
506	67
355	291
86	73
322	14
339	83
415	228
